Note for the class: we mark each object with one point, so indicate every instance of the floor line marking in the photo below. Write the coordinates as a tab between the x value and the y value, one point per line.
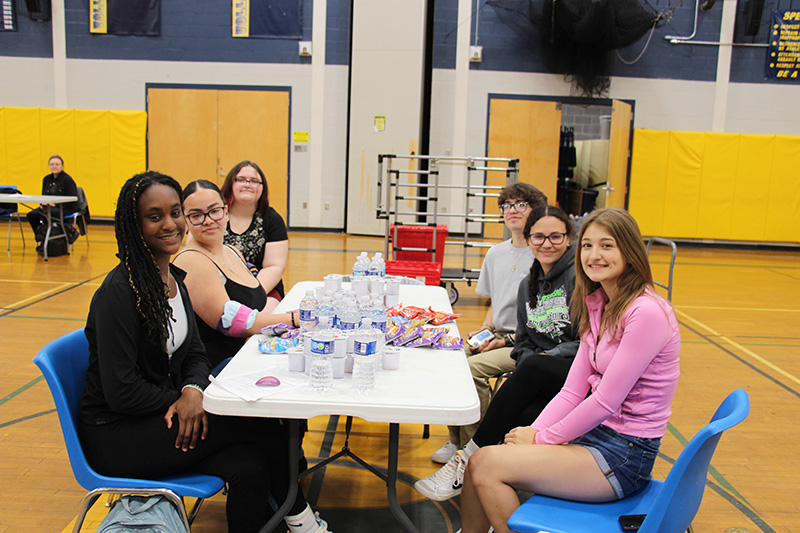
20	390
18	304
735	344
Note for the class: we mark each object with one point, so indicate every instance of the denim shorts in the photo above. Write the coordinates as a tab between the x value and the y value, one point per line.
626	461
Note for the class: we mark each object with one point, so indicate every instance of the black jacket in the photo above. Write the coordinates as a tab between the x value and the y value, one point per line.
544	324
127	375
61	185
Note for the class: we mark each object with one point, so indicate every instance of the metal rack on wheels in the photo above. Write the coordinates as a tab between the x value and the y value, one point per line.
395	186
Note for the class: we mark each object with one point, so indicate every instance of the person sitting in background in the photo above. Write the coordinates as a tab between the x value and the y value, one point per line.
57	183
503	268
229	301
141	414
598	439
255	228
546	343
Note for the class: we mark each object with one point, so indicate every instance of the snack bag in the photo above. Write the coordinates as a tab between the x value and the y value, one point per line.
393	330
275	345
429	336
449	343
412	312
408	335
276	329
440	318
291	334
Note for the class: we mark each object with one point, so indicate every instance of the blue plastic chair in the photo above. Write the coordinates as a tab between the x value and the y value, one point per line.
669	505
11	211
63	363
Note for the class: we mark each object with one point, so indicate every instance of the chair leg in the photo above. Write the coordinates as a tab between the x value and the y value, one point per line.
87	503
21	232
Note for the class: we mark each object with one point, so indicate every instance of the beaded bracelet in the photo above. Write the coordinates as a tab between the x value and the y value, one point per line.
194	386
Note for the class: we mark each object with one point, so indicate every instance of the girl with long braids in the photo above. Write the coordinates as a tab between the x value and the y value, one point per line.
546	343
599	437
141	413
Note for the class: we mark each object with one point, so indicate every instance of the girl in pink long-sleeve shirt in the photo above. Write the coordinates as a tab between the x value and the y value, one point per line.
598	439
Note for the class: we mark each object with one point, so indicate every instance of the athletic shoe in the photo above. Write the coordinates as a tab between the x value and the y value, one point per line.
323	525
446	482
444	454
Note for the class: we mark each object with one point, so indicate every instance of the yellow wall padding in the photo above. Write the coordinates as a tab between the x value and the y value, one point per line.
101	149
721	186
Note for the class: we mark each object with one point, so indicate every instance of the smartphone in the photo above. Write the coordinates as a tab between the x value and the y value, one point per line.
479	338
631	522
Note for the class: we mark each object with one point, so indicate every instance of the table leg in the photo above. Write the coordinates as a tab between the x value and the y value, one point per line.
294	446
391	485
47	234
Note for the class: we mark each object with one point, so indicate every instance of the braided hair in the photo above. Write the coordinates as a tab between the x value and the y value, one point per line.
535	216
152	300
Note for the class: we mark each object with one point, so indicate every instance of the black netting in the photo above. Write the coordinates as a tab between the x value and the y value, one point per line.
577	35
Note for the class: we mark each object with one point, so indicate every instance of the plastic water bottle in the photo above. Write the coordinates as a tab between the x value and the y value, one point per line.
361	266
338	310
378	266
322	339
308	312
378	316
351	317
364	349
325	309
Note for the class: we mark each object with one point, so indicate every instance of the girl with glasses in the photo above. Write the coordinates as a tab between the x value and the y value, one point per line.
229	301
255	228
599	437
546	343
141	414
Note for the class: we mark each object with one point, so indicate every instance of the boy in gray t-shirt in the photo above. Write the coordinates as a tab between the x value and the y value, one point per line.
503	268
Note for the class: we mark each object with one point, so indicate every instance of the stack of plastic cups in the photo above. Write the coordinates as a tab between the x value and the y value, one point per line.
392	296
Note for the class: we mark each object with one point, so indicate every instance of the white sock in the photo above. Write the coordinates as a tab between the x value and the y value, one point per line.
469	449
305	522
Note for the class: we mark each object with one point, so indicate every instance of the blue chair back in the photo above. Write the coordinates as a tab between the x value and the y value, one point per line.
63	363
682	491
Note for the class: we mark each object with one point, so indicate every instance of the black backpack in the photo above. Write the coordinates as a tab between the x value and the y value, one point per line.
59	246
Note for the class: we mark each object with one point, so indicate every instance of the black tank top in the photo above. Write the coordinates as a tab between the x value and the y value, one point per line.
218	345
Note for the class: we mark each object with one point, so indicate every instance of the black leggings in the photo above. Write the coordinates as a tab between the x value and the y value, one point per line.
523	396
250	454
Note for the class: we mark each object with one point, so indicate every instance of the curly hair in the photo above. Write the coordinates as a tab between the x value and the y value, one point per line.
152	300
525	192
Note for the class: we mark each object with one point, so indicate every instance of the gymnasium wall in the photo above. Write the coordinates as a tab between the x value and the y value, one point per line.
100	149
674	87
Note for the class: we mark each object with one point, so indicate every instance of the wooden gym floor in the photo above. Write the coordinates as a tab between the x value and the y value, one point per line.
741	328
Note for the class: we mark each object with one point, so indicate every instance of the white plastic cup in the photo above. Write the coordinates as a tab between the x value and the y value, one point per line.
340	345
297	361
391	358
348	363
339	365
360	285
332	282
377	286
309	359
392	286
390	300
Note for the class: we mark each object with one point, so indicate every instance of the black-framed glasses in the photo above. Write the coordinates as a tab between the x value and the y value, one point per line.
255	182
198	218
554	238
519	207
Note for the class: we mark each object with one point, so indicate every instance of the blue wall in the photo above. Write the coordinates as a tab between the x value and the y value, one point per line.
195	31
519	49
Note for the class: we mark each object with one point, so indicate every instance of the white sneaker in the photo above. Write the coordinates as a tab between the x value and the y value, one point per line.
445	453
323	525
446	482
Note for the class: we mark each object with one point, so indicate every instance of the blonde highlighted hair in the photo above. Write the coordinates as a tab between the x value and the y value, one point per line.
635	279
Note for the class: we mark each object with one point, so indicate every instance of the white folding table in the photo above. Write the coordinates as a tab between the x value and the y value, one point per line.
25	199
433	386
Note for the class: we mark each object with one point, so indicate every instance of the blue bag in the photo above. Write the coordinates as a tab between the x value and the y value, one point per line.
141	513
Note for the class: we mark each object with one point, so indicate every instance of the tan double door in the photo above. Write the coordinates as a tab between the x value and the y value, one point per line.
202	133
529	130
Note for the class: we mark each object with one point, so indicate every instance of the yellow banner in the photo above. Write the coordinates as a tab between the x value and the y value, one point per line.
98	16
241	18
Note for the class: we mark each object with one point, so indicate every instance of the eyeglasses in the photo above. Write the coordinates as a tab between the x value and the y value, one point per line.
255	182
519	207
555	238
198	218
